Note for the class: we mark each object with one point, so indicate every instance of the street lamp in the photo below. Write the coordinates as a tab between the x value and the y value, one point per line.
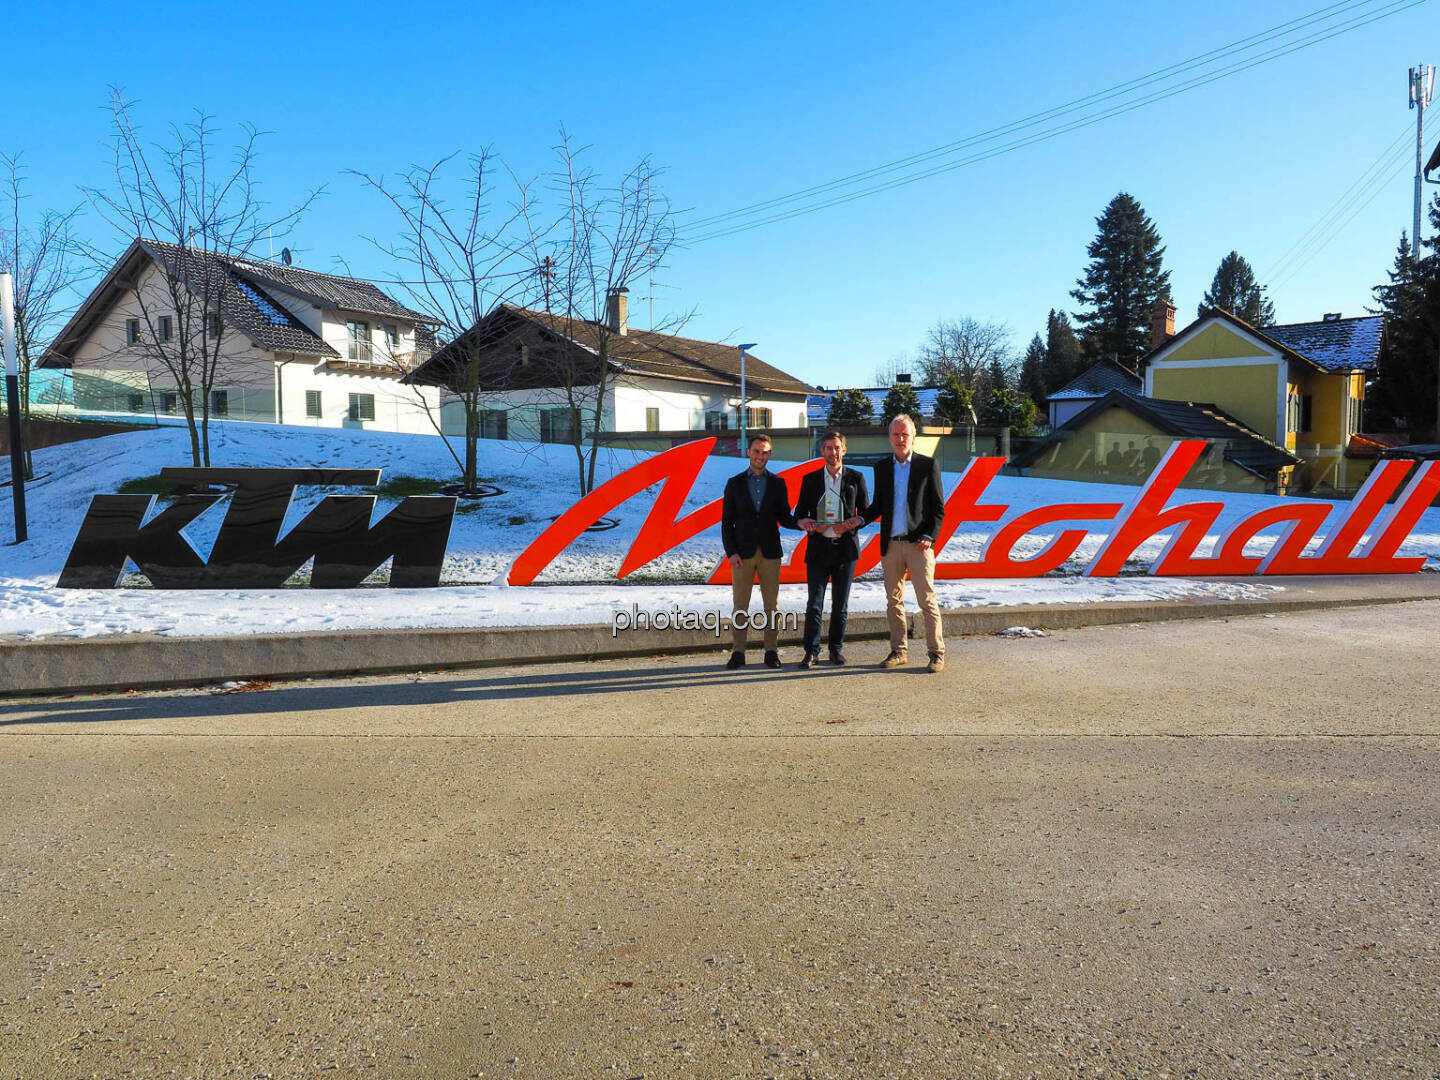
747	345
12	400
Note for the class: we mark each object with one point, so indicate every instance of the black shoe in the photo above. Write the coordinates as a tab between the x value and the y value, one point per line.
837	658
737	659
809	661
772	658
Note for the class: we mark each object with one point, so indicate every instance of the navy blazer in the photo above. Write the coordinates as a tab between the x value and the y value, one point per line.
743	529
924	502
856	499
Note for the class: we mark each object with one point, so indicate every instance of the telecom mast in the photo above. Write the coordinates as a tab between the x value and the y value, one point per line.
1422	89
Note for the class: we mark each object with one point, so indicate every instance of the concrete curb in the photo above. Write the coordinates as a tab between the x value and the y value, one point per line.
148	661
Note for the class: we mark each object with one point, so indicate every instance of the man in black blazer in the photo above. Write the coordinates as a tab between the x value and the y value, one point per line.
910	514
755	505
832	504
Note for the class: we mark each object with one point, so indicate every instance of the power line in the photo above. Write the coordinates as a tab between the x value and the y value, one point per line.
1119	89
730	223
1352	201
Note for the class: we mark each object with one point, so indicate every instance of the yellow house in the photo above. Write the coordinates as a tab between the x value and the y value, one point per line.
1300	386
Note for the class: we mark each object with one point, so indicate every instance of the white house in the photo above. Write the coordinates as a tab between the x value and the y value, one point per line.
532	366
281	344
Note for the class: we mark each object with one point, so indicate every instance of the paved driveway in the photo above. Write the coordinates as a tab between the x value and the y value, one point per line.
1202	849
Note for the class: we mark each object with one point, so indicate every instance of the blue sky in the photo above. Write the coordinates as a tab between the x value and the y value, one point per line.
747	101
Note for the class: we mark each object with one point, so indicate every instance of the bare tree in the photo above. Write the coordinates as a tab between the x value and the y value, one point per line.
182	194
464	261
886	372
602	240
976	353
39	253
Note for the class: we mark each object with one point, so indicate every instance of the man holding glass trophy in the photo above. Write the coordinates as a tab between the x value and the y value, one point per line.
832	505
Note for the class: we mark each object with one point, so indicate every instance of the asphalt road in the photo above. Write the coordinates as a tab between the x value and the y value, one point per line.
1161	850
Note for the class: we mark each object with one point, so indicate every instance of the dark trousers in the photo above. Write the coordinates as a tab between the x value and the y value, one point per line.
840	575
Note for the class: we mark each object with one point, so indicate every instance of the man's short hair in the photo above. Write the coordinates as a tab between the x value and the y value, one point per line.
836	435
757	436
907	418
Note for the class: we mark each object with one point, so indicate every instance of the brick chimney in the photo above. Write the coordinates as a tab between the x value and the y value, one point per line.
615	304
1162	322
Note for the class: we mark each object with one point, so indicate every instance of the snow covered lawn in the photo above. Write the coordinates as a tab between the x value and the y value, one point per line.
538	484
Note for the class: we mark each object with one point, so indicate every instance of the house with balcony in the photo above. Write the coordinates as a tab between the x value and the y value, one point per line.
279	343
539	374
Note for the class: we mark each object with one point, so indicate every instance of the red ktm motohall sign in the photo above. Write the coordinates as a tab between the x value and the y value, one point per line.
1131	524
1361	537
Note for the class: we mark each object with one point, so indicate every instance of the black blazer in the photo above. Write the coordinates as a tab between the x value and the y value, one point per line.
856	499
743	530
924	503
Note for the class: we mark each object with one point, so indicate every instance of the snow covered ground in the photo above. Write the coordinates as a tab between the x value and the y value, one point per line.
538	483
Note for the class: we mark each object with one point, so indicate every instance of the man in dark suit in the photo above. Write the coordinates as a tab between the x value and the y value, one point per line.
910	503
753	509
832	503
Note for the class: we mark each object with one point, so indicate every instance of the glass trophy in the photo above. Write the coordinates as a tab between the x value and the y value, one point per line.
830	512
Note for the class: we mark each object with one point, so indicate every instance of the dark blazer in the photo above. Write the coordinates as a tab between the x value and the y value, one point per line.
743	530
856	498
924	504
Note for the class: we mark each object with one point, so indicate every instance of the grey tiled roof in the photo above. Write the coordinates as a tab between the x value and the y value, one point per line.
1098	380
327	290
1336	345
244	304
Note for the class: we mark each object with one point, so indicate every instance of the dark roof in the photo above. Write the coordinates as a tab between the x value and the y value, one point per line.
244	290
326	290
245	304
636	352
1337	345
1182	419
1333	346
1098	380
817	407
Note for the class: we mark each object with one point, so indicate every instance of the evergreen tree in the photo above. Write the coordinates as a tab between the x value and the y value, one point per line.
1008	408
901	399
955	404
1235	289
1121	283
1063	357
1404	389
849	407
1032	369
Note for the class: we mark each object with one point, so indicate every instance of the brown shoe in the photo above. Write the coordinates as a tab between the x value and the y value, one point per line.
937	663
894	660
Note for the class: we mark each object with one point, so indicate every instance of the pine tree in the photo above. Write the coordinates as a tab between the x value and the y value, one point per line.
1032	370
1404	388
849	407
1007	408
1063	357
901	399
1121	283
1235	289
955	403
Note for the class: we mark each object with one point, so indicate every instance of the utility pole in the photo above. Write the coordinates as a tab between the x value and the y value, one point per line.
1422	89
12	394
